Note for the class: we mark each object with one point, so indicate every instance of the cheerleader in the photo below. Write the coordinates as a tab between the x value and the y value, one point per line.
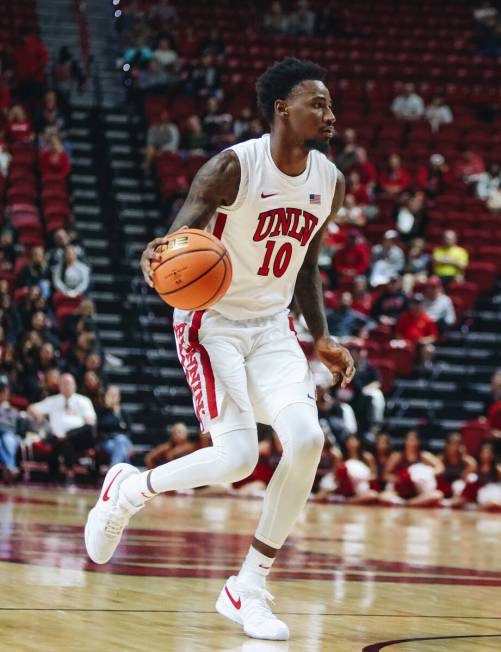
484	486
458	465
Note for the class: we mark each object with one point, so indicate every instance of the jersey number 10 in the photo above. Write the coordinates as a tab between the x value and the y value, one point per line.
281	261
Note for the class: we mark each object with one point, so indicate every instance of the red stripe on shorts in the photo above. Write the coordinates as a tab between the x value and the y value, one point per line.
291	326
219	226
210	384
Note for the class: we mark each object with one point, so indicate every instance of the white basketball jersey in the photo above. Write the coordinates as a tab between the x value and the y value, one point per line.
268	228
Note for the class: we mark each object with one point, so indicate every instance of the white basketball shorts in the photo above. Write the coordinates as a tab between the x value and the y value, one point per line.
241	372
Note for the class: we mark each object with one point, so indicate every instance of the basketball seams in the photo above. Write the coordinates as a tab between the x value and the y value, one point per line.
209	301
194	280
183	253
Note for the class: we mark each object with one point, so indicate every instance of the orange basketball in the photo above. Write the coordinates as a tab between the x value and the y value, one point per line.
194	270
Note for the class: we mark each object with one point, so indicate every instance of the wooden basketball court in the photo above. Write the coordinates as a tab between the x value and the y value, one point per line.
352	579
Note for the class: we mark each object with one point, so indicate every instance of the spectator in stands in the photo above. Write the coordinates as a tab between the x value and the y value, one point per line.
48	114
189	44
42	325
344	321
83	320
357	188
71	419
165	12
411	217
54	160
275	20
439	305
302	21
388	259
153	78
5	159
433	178
138	54
409	105
161	137
213	43
225	135
368	400
413	473
457	466
394	179
71	276
351	213
489	186
418	329
36	272
67	74
349	155
92	387
30	60
61	239
362	298
194	139
19	128
449	259
177	446
114	427
417	265
353	258
80	349
9	319
11	426
165	54
438	114
391	303
7	249
242	124
50	382
470	166
366	170
336	413
205	77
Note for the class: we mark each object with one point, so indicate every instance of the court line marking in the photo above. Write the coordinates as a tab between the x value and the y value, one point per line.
375	647
284	613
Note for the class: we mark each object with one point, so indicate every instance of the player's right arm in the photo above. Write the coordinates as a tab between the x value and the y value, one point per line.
215	184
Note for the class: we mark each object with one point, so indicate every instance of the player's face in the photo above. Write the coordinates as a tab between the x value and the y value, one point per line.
310	116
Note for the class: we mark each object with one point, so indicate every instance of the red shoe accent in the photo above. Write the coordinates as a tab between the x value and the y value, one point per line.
236	603
105	495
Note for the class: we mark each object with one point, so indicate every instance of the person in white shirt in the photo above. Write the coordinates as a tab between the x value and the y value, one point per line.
388	259
71	276
409	105
438	304
71	418
438	114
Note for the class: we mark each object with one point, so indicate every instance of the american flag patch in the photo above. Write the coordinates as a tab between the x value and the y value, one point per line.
314	199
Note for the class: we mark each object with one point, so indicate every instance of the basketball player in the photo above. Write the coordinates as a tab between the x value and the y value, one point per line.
268	200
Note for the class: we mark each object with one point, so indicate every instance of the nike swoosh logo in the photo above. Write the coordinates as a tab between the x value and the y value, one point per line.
106	493
236	603
265	567
312	397
272	194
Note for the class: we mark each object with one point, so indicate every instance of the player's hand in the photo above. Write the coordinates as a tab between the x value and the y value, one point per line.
150	254
337	359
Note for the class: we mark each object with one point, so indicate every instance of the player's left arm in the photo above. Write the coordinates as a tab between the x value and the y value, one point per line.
309	296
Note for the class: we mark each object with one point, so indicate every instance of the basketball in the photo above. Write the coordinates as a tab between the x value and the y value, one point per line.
194	270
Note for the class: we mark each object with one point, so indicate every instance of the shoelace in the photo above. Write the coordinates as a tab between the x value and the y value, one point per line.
259	606
116	521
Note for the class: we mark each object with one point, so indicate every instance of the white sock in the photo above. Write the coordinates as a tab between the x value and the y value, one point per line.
255	568
136	490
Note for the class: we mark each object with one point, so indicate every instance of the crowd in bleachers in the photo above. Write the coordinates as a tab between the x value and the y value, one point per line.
49	344
417	240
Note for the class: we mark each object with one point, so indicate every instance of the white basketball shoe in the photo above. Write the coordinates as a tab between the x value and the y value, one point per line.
108	518
248	606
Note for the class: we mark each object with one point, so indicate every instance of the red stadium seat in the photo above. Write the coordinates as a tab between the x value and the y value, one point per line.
465	291
491	254
401	354
483	275
61	300
388	371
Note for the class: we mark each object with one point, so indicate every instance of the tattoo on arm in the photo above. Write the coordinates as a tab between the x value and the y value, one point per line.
215	184
308	291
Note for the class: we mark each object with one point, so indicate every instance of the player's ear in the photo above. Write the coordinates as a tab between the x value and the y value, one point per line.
281	108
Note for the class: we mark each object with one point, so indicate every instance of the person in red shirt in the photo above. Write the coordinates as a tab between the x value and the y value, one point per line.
19	127
54	161
354	257
365	169
434	177
418	328
362	298
394	179
357	188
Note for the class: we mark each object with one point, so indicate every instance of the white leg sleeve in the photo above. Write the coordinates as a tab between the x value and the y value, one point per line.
232	457
302	441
